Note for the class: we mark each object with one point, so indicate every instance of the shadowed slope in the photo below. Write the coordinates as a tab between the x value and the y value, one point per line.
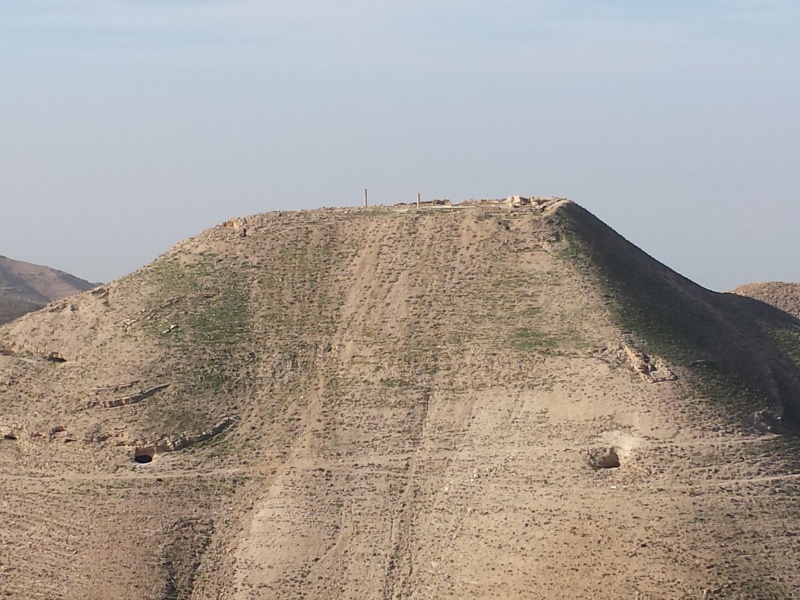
690	325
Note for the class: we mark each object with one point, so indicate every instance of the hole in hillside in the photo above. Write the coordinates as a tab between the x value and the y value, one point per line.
10	436
609	459
144	455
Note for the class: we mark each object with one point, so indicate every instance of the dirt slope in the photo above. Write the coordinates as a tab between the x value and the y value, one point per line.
25	287
393	403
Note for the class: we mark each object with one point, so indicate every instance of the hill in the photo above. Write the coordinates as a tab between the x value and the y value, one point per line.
482	400
11	308
25	287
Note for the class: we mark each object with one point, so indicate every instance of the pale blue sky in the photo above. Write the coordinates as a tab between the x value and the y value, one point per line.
127	125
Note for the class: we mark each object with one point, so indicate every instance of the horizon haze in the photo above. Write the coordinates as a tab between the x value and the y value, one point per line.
130	125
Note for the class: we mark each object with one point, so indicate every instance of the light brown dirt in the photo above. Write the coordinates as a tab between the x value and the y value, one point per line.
419	399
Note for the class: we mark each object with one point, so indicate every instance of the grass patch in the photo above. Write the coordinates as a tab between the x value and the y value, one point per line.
218	445
176	418
789	342
729	391
530	311
531	340
208	322
396	382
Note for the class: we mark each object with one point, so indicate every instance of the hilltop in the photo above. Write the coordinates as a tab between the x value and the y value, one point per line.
25	287
486	400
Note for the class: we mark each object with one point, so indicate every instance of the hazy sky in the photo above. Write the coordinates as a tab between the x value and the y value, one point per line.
127	125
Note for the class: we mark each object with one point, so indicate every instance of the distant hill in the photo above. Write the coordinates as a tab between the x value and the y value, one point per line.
25	287
11	308
497	399
785	296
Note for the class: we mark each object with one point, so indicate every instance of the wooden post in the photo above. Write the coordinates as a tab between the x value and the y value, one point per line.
366	202
417	199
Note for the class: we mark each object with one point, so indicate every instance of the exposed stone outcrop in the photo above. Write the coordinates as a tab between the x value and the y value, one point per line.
173	444
132	399
650	369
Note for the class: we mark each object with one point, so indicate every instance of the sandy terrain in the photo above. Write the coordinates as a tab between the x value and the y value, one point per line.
397	403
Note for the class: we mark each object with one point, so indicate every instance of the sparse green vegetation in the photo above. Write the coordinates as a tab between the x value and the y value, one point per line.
531	340
728	391
219	445
175	418
530	311
205	317
396	382
789	341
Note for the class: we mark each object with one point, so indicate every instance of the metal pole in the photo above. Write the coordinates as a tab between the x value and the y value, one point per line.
366	202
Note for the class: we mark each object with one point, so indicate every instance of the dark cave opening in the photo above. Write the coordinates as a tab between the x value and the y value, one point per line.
609	460
143	456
